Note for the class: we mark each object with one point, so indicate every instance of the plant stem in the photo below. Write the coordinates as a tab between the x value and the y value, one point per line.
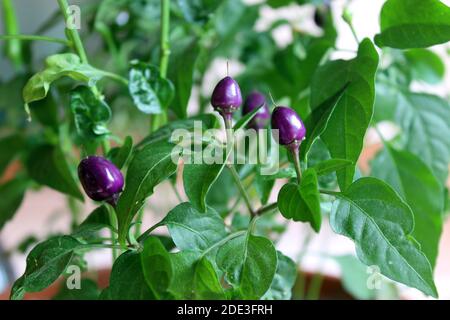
295	156
234	174
315	287
13	47
222	242
165	44
30	37
329	192
268	208
241	188
73	33
159	119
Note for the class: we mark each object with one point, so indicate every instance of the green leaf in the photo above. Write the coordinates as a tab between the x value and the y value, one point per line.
374	216
194	230
302	203
157	267
120	155
97	220
354	277
151	93
12	193
45	263
206	281
195	278
88	291
91	115
149	166
249	263
284	280
413	24
344	134
197	181
56	67
331	165
405	172
425	122
317	121
10	146
46	112
184	263
181	71
127	280
47	165
425	65
164	133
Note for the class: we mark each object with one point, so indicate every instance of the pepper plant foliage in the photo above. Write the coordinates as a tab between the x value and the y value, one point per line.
145	71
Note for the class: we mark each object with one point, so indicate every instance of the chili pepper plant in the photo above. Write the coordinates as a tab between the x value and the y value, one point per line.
95	121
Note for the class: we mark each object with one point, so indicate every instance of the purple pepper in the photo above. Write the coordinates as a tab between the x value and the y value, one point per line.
226	97
291	128
261	118
101	179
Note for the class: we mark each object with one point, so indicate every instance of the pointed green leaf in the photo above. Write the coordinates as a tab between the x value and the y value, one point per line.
149	166
302	203
194	230
157	267
45	263
413	24
347	125
284	280
47	165
249	263
405	172
374	216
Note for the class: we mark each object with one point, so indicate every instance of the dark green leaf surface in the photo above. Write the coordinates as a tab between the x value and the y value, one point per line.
249	263
347	125
149	166
12	193
47	165
194	230
197	181
97	220
45	263
157	267
284	280
120	155
88	291
91	115
330	165
381	224
413	24
181	71
127	280
151	93
302	203
10	146
195	277
425	120
415	183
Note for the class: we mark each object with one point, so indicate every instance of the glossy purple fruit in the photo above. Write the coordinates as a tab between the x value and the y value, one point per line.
101	179
226	97
291	128
261	118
